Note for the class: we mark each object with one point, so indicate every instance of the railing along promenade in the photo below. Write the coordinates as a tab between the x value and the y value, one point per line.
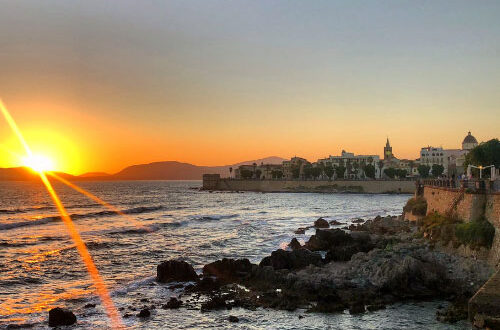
469	185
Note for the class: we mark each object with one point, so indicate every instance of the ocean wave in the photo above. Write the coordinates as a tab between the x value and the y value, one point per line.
215	217
45	220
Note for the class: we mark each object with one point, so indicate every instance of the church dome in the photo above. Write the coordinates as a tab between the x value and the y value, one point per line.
470	139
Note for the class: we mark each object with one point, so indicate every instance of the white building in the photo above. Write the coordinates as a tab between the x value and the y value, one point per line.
353	163
451	159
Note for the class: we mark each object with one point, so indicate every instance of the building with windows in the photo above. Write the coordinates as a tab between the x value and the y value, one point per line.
451	159
354	164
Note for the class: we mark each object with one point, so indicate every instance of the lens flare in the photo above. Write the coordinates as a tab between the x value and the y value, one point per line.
98	200
101	289
38	163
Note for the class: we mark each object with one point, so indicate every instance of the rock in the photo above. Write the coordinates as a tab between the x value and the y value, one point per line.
144	313
229	270
281	259
324	239
294	244
358	221
233	319
207	284
361	242
176	286
175	270
321	223
335	223
455	312
300	231
357	308
375	307
328	303
61	316
89	305
173	303
215	302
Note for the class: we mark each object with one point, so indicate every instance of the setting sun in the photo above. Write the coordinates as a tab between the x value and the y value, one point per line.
38	163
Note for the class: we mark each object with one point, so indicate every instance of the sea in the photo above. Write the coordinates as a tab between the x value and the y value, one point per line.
40	267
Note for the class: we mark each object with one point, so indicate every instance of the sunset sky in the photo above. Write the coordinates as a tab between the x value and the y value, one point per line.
100	85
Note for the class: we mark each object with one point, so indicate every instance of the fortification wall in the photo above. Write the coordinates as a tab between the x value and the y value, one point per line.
370	187
470	207
441	200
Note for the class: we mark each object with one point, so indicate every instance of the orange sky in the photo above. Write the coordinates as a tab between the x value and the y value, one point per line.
98	88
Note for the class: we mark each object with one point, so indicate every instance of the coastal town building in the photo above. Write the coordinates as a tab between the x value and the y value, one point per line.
354	164
347	165
452	160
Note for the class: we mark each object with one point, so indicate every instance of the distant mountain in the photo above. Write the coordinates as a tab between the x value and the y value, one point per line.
25	174
168	170
93	174
17	174
173	170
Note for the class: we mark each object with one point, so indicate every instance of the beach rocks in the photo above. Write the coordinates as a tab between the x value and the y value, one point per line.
144	313
281	259
215	302
383	226
173	303
229	270
328	303
321	223
206	284
301	231
294	244
335	223
455	312
61	316
326	238
357	308
175	270
233	319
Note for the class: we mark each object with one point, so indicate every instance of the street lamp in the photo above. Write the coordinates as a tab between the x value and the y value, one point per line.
481	168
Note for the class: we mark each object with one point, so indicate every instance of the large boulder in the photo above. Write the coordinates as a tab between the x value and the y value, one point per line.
175	271
229	270
61	316
281	259
321	223
361	242
326	238
294	244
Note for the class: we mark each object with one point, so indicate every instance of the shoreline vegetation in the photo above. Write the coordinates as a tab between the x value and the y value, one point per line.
360	268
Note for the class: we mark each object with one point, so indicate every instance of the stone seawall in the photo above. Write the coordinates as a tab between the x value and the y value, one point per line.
369	187
484	307
468	207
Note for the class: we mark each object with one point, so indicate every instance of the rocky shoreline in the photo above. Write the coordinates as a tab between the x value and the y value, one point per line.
360	268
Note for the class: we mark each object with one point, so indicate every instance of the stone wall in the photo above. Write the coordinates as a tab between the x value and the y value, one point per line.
470	206
369	186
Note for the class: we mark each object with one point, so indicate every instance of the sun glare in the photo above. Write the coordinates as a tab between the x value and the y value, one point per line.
38	163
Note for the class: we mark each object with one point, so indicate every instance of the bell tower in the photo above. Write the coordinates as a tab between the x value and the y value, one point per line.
387	151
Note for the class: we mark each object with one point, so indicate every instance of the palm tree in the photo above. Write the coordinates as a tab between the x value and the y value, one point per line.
380	166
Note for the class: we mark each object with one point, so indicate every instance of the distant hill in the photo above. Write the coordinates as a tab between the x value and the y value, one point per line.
172	170
93	174
168	170
25	174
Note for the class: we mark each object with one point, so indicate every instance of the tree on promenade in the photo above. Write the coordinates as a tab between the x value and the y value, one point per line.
423	170
437	170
